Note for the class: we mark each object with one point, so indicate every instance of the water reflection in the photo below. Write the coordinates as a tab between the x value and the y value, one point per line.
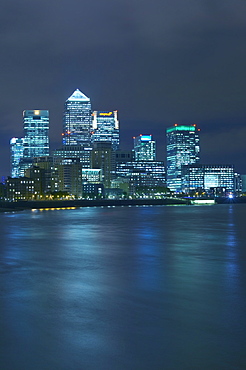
139	287
148	250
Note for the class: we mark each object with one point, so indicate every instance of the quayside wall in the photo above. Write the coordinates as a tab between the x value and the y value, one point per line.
40	204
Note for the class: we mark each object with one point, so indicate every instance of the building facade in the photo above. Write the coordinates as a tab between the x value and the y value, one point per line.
70	177
50	172
36	133
77	119
20	188
83	152
105	126
182	149
142	174
212	179
103	157
17	150
124	155
34	144
144	148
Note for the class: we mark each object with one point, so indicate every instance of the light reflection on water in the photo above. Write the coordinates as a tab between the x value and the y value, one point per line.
124	288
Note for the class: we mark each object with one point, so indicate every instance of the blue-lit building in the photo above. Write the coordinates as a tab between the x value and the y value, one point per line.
144	148
36	133
212	179
34	144
105	126
17	149
182	149
77	119
142	174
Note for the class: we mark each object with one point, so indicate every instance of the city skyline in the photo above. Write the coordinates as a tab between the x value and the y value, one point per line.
75	97
156	64
74	113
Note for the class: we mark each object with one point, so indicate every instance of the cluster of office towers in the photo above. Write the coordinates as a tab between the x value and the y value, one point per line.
90	161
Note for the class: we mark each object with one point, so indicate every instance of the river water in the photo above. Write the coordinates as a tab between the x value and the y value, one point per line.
124	288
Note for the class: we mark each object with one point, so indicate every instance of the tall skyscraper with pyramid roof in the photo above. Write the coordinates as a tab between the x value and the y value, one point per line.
77	120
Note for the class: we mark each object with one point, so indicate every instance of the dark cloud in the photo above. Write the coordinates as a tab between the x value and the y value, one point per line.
156	62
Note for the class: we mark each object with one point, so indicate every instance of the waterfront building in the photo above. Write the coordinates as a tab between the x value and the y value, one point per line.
182	149
238	183
77	119
144	148
122	183
212	179
93	190
20	188
38	176
243	177
91	175
3	194
103	157
50	174
142	174
70	176
105	128
16	149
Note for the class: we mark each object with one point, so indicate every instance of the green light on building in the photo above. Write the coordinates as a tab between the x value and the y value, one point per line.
182	128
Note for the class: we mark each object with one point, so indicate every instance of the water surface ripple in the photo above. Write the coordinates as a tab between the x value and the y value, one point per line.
123	288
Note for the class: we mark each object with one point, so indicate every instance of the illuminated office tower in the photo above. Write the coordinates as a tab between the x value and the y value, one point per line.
36	133
182	149
77	119
105	127
16	148
144	148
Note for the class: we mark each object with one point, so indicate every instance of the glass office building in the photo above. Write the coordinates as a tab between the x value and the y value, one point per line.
105	126
36	133
144	148
17	149
182	149
208	178
34	144
143	173
77	119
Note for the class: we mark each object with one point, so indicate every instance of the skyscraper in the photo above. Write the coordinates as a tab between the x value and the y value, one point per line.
17	149
105	127
182	149
144	148
36	133
77	119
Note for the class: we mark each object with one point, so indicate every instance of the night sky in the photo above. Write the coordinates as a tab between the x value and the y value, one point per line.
158	63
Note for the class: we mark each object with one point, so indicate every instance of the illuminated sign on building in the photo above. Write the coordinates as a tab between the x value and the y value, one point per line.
146	137
105	113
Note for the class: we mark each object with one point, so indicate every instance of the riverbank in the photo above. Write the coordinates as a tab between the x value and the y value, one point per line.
6	206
